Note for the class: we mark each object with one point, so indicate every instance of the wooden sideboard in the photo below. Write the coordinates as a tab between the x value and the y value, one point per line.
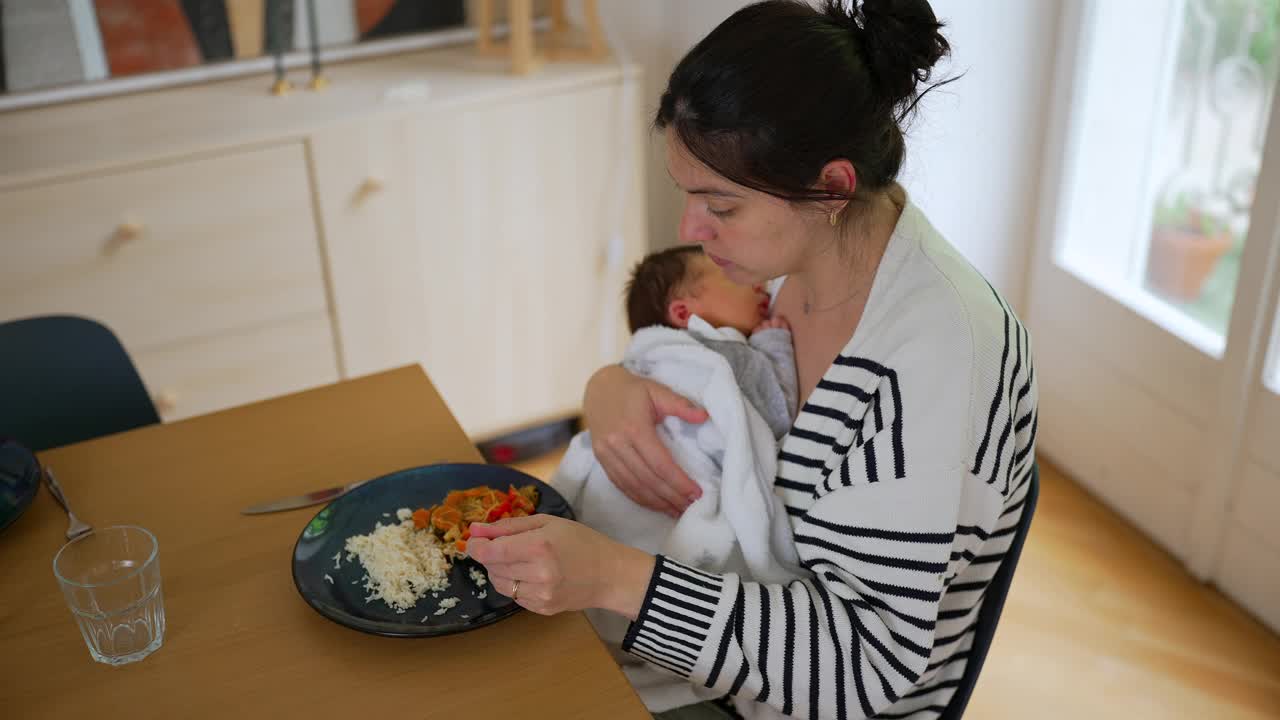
427	207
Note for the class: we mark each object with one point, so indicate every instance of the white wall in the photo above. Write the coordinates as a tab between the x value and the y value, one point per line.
642	28
973	155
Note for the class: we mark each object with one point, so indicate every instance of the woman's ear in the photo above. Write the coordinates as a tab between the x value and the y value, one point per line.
678	313
838	177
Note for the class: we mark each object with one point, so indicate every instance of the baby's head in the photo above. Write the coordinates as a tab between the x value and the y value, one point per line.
669	286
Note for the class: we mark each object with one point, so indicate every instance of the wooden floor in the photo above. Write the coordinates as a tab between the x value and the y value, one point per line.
1101	623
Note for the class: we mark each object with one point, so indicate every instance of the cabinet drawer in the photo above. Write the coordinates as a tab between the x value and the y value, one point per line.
236	368
167	253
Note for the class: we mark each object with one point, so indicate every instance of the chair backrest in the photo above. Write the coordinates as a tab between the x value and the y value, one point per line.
993	603
65	379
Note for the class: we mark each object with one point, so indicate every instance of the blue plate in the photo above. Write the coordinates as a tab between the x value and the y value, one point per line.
19	480
356	513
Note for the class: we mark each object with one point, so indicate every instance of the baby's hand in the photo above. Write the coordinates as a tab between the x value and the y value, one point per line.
775	322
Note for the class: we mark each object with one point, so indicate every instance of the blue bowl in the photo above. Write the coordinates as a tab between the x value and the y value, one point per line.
356	513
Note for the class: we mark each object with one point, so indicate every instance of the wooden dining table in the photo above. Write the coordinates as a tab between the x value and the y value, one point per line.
239	640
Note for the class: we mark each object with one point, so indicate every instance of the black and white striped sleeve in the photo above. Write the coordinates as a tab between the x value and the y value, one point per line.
847	641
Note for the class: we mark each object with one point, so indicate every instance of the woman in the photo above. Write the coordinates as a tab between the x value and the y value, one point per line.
905	470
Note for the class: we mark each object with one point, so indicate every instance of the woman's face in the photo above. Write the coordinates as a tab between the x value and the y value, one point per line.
753	236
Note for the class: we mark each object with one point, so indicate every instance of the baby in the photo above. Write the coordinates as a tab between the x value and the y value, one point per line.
712	341
681	288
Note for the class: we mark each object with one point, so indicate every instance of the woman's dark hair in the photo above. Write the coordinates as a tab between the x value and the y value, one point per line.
655	282
781	88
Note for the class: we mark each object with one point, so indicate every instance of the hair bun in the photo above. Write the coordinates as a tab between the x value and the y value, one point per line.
902	40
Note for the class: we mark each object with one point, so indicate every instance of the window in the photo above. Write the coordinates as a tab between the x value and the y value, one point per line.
1173	103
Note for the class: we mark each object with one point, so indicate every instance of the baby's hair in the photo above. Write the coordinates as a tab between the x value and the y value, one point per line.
655	282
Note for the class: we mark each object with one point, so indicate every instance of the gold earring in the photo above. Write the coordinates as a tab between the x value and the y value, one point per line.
834	217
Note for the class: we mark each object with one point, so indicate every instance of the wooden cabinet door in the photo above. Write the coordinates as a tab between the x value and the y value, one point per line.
488	259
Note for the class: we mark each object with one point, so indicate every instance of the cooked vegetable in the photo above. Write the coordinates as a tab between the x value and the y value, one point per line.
451	520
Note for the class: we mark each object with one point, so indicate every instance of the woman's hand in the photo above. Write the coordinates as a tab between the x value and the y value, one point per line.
622	410
560	565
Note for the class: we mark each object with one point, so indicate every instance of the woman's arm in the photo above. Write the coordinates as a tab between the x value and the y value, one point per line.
859	634
849	641
622	411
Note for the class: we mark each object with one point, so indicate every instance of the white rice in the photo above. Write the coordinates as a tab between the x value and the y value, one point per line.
403	564
446	604
478	577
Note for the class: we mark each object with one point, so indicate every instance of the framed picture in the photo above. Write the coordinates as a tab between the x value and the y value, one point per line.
56	50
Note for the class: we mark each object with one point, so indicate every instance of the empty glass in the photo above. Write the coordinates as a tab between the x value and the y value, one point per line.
111	579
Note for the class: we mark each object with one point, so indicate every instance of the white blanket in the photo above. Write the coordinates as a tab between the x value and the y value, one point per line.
738	525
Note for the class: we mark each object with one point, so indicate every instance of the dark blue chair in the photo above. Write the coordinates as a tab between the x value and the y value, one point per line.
989	614
65	379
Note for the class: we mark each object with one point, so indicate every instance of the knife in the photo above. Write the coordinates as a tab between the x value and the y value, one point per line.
297	501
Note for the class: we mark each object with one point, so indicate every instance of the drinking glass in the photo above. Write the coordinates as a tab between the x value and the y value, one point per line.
111	580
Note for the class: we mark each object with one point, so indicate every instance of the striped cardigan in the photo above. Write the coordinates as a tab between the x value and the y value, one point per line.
903	477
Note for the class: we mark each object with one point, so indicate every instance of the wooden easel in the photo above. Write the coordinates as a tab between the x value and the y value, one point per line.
521	47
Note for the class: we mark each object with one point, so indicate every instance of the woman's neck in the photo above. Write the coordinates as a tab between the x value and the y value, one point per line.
841	272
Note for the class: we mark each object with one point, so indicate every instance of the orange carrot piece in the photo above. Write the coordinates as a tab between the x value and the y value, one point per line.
421	518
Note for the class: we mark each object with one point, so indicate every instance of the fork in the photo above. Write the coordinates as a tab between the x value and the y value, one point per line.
77	527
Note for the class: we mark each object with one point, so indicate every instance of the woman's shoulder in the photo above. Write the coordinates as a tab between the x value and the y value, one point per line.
947	332
933	295
986	310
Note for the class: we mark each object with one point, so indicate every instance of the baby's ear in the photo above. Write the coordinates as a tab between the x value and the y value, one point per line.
678	312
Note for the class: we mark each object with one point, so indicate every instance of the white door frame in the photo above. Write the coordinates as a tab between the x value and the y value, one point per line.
1244	363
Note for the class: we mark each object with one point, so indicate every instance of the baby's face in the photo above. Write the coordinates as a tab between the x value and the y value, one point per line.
722	302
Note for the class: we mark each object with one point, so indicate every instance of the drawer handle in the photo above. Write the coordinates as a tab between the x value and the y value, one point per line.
166	401
125	233
370	186
129	231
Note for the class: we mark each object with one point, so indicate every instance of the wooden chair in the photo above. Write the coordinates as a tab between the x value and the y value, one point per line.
993	603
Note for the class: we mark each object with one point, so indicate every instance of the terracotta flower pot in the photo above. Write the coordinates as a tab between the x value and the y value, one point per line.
1180	260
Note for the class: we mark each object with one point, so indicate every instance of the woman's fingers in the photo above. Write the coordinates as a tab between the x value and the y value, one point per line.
542	573
673	484
508	526
565	565
501	583
666	403
505	550
529	594
646	488
612	455
613	465
528	556
621	410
